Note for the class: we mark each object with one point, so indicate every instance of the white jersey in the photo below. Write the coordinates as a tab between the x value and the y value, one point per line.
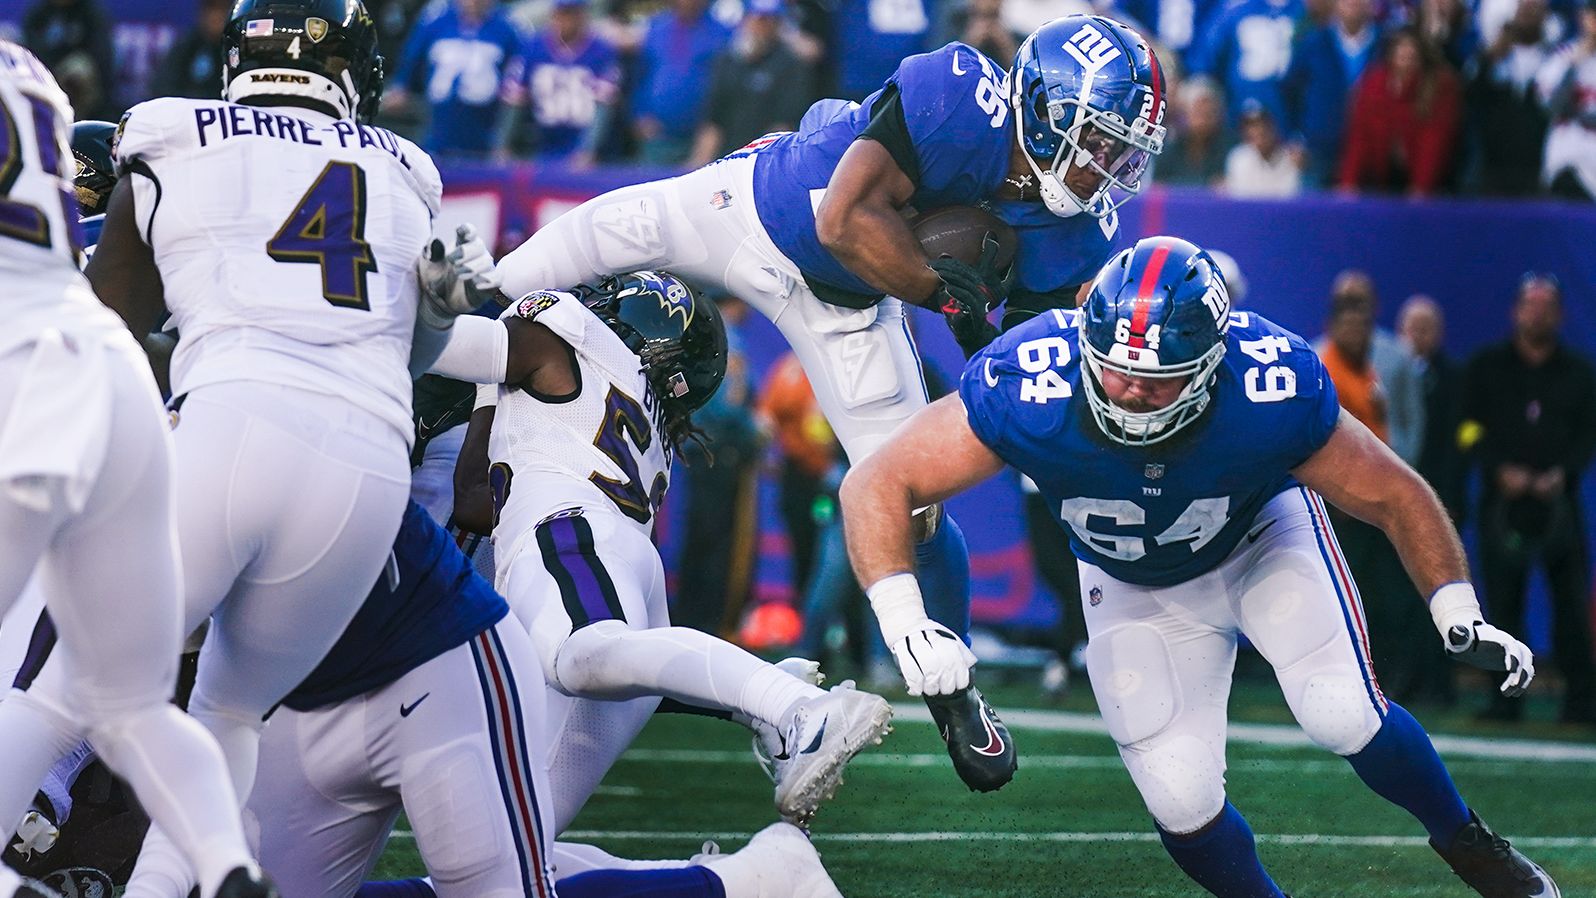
601	446
38	214
287	240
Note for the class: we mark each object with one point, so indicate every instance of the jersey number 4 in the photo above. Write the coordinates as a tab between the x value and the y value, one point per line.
328	228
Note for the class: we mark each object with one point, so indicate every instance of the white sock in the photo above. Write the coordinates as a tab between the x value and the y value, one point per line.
571	858
608	660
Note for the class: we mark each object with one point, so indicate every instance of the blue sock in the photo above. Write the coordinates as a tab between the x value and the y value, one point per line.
672	882
397	888
1223	858
944	562
1401	766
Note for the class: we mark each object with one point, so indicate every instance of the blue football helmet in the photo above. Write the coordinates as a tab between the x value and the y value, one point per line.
1088	90
1159	309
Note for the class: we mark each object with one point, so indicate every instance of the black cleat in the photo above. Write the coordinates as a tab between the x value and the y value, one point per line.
81	882
1492	867
979	744
245	882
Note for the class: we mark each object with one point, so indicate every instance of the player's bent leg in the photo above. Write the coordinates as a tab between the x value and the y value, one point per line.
113	589
317	824
468	763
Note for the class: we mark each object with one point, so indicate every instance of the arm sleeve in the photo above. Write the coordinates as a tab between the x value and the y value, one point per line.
889	128
1317	406
478	351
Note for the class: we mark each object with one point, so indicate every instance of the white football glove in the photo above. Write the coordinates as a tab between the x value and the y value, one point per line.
459	281
932	659
1469	638
1490	648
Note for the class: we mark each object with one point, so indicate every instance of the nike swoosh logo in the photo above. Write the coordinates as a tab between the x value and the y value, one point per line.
994	742
404	710
1253	536
814	744
956	69
990	380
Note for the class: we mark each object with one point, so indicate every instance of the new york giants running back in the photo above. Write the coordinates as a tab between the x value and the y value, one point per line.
809	227
1189	451
85	495
590	398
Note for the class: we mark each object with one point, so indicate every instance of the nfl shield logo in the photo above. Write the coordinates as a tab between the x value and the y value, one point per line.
1095	596
315	29
720	199
1153	472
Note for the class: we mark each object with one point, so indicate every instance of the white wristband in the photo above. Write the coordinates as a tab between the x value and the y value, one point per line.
897	604
1455	605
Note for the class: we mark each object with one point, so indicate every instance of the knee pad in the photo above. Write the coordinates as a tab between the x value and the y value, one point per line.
1181	779
1137	690
451	796
572	668
858	353
1335	710
629	231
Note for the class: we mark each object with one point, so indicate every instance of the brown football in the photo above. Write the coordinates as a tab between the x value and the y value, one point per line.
957	231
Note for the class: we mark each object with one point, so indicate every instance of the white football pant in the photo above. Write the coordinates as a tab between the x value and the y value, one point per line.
1161	658
862	363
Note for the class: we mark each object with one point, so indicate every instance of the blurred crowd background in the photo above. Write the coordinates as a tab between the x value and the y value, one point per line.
1270	97
1477	377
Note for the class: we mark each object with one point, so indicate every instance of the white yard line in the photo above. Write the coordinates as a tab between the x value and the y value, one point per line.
732	838
1288	736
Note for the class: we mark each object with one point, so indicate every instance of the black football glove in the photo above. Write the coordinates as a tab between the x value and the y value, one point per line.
968	292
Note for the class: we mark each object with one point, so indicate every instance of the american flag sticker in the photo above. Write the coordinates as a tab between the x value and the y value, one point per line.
259	27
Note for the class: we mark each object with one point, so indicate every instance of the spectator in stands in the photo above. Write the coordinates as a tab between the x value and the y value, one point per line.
1447	24
1394	367
759	85
718	541
1530	416
1400	646
1423	330
979	23
1261	166
807	451
1568	86
569	76
866	39
1325	65
1507	120
1176	26
456	60
1194	152
73	38
675	62
1404	123
1248	50
193	67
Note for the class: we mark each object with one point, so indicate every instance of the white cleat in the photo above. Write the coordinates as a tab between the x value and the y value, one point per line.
825	733
778	862
767	737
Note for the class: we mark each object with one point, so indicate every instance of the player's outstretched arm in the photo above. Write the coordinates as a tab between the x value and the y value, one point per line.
859	222
933	456
122	269
1359	474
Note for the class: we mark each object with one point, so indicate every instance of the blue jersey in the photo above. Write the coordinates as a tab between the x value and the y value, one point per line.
674	67
955	103
870	37
1247	48
440	603
565	86
1162	514
1057	252
458	68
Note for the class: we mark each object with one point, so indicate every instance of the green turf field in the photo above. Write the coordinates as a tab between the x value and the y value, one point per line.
1071	824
